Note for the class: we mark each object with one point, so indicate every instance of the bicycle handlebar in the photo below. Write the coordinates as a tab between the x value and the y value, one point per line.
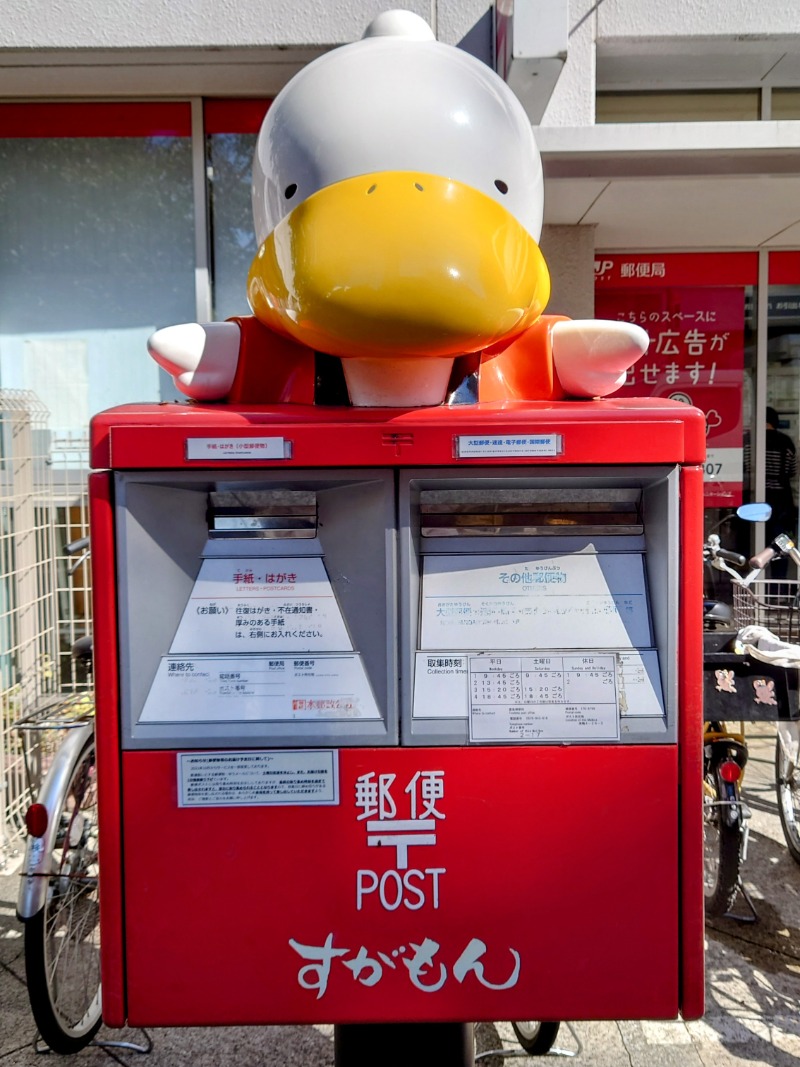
731	557
762	558
72	549
720	557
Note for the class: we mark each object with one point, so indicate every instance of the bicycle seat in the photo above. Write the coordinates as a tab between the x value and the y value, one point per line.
82	649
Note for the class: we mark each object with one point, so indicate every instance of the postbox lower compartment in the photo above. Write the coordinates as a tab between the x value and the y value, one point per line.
440	884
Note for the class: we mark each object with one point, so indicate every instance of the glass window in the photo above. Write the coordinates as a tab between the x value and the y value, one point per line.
96	251
231	129
697	309
783	388
785	104
733	106
701	312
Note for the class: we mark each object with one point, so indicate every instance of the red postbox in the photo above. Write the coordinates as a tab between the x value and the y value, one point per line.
401	722
399	704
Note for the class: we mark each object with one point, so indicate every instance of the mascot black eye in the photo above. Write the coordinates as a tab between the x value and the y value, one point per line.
289	191
501	186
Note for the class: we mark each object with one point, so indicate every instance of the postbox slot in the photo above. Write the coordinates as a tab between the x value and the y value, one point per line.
263	621
529	512
540	608
262	513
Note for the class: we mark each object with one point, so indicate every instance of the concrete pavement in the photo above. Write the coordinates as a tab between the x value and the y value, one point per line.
753	987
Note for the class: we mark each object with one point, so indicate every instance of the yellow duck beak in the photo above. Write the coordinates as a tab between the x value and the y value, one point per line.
399	264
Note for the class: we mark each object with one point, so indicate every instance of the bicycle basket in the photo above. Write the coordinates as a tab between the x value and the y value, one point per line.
770	602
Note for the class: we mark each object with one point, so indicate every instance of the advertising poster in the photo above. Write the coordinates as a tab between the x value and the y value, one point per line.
696	352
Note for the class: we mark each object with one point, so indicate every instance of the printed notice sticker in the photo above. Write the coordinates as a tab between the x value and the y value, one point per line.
227	449
548	444
441	685
724	464
262	604
560	696
216	689
256	779
535	601
639	681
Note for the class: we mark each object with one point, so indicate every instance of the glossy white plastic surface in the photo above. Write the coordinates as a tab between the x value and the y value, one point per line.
201	357
592	356
397	100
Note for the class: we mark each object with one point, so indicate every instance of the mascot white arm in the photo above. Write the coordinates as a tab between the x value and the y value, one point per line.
592	356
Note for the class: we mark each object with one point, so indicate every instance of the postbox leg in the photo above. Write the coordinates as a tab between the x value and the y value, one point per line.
404	1045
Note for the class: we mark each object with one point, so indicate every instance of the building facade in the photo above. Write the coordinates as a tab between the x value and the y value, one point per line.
670	137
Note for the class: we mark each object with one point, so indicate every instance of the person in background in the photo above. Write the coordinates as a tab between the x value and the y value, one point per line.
781	469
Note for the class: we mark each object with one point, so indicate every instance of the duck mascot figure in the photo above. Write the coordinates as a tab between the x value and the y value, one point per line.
397	195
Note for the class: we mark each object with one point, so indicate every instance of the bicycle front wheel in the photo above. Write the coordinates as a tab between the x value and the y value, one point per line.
62	941
722	853
536	1038
787	784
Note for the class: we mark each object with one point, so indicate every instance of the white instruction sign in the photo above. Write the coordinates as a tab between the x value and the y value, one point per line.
639	683
228	449
262	604
561	696
724	464
212	689
535	601
442	684
517	444
246	779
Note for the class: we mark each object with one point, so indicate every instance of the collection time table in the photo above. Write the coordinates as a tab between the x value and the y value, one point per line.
558	695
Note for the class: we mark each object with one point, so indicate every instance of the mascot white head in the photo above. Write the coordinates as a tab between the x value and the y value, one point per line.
397	196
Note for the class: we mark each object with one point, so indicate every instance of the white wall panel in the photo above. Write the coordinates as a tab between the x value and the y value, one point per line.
205	23
466	23
572	102
569	254
703	18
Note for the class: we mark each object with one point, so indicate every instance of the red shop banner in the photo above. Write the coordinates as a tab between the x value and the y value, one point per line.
696	355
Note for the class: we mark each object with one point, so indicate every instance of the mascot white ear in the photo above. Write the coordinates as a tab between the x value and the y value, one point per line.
400	24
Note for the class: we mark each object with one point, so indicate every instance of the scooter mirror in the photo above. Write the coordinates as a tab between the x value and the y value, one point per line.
754	512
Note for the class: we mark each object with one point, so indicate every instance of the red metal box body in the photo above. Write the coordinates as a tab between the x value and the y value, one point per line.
555	880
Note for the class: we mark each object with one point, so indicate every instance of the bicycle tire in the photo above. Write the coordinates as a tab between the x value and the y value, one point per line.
536	1038
722	854
62	940
787	786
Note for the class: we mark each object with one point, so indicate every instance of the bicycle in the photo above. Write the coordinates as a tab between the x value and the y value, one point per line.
774	606
58	899
760	606
536	1038
725	815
